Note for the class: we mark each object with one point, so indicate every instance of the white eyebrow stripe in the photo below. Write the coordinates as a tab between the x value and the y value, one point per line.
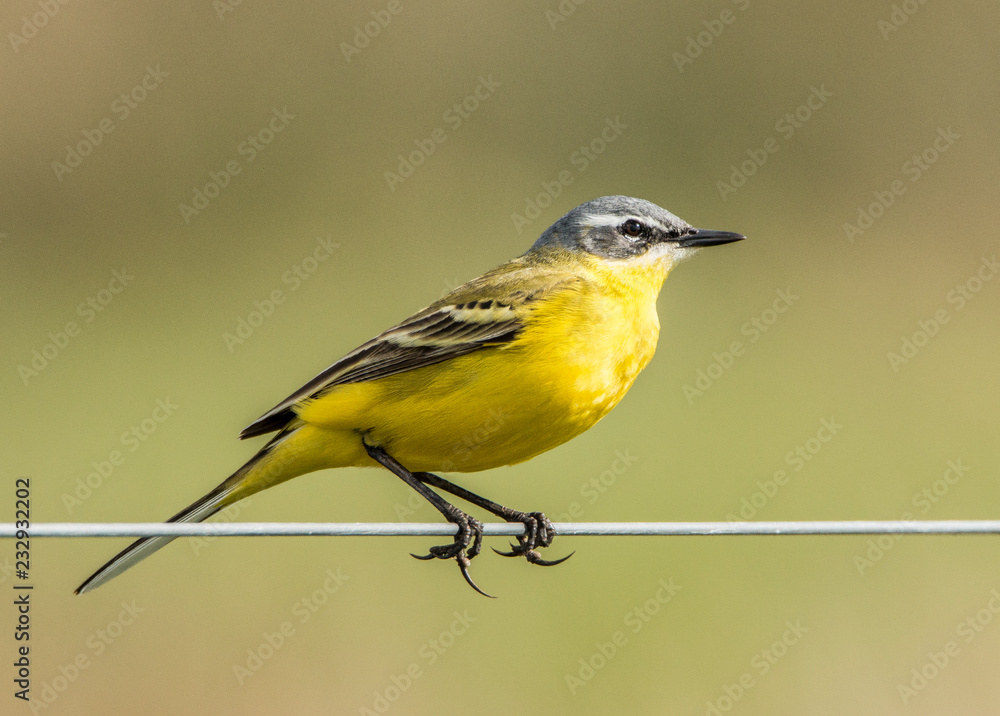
602	220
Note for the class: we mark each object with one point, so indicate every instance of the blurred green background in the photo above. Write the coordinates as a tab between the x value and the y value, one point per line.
700	92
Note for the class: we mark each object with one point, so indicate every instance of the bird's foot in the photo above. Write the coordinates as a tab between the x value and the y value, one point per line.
538	532
467	544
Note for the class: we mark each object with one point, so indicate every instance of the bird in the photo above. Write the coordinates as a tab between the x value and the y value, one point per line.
506	366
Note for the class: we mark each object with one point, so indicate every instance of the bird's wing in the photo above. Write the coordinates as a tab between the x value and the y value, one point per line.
487	311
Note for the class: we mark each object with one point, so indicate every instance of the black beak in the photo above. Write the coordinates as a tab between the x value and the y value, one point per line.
695	238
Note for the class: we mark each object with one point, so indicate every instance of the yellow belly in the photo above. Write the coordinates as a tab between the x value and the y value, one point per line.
574	361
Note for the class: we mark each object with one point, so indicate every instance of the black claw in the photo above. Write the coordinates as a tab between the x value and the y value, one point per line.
468	543
533	557
515	551
538	532
463	565
468	539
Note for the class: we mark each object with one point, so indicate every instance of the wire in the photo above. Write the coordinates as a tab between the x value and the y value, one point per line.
404	529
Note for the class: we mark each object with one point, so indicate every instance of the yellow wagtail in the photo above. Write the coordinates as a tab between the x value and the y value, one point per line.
509	365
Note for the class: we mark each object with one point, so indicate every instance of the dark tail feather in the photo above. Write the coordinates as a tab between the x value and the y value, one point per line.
142	548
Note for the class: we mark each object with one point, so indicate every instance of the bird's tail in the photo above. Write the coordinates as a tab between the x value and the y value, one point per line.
257	474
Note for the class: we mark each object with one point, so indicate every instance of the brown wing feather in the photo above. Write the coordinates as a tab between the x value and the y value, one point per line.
382	356
478	314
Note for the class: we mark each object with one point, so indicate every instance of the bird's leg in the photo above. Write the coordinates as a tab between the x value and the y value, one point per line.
538	530
468	539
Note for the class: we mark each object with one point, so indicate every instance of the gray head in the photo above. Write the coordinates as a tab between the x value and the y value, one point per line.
620	227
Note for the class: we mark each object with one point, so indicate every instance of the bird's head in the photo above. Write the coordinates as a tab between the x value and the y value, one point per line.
620	228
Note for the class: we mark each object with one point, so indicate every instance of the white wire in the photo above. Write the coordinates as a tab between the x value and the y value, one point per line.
402	529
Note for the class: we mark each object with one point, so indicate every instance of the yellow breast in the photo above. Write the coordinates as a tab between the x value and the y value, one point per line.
579	353
597	340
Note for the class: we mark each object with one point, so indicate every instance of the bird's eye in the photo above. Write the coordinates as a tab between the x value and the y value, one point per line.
632	228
